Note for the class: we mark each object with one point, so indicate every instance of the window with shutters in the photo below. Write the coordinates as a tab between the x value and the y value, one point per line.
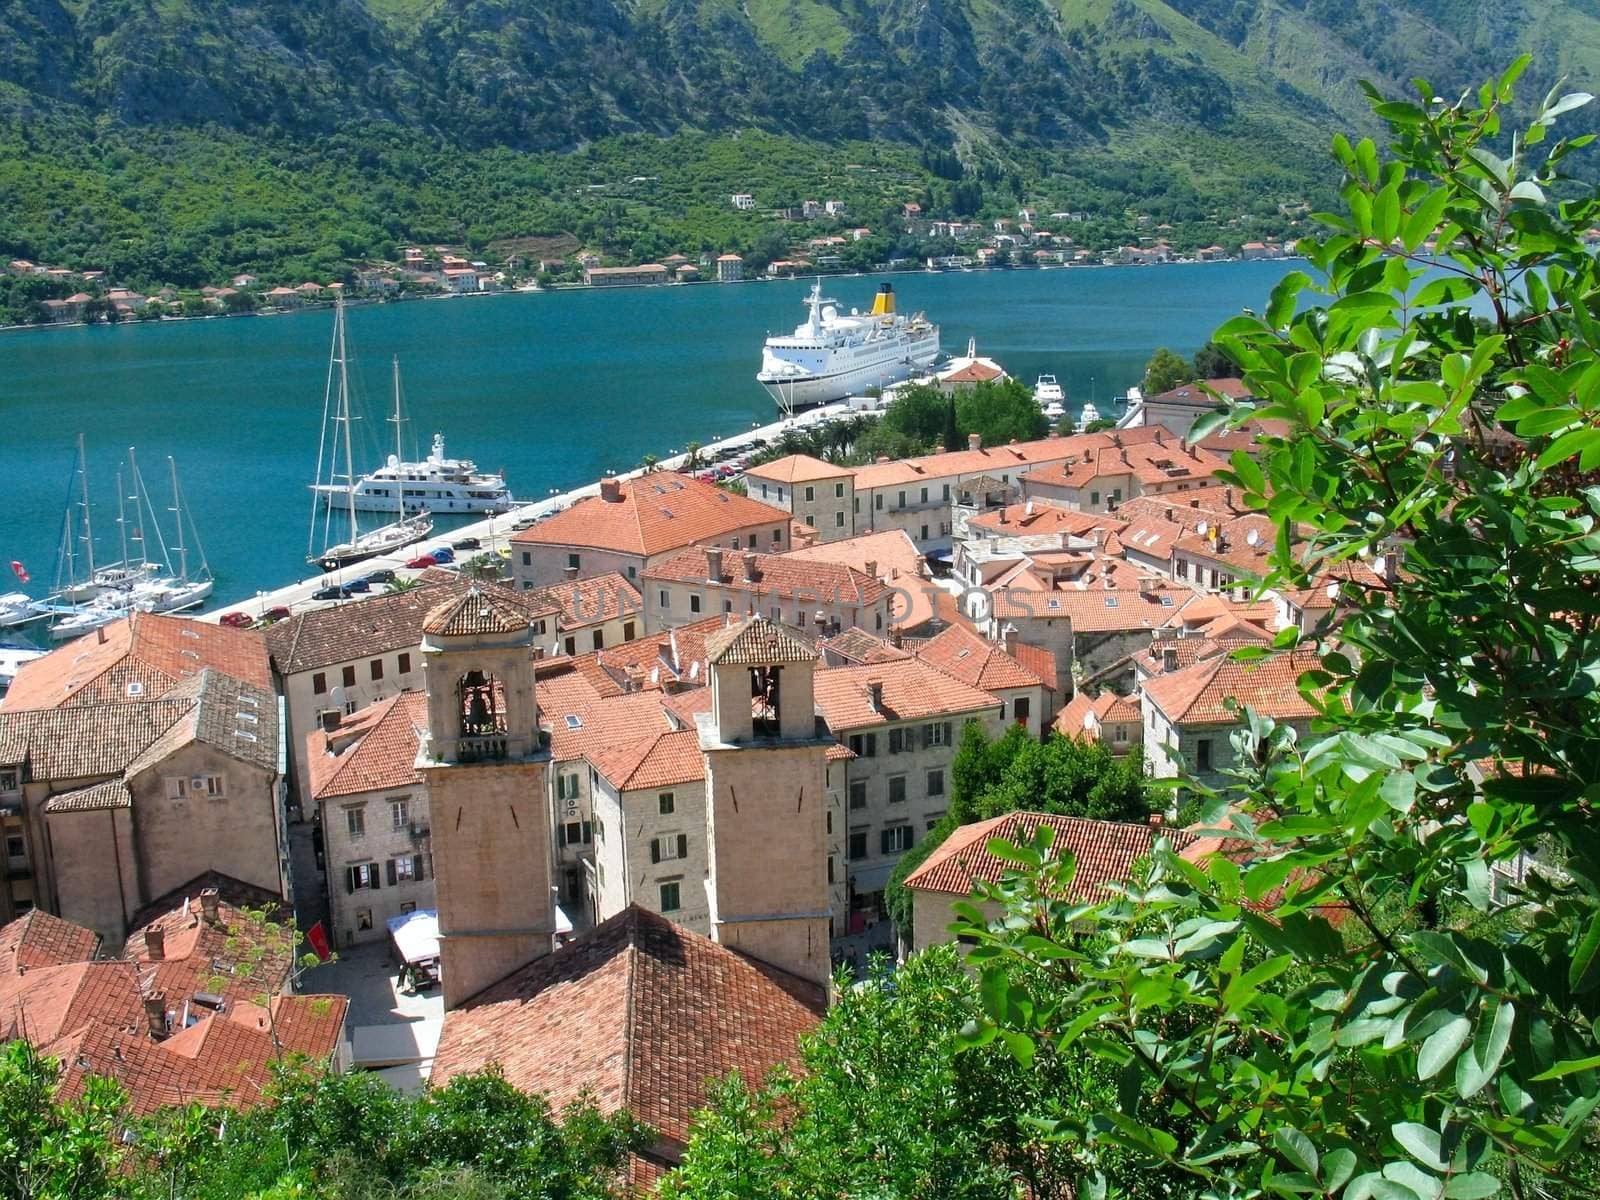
573	560
567	785
319	683
838	520
858	793
399	814
571	646
901	501
896	839
858	844
361	877
935	783
599	640
947	491
897	789
877	500
838	491
402	870
527	558
356	822
1020	708
627	631
349	676
669	847
897	741
666	804
178	787
811	493
375	668
924	533
670	898
937	733
694	602
405	664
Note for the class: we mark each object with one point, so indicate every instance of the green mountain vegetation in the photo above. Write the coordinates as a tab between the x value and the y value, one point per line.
178	140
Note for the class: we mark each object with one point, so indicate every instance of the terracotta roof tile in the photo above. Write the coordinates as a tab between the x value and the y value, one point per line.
1038	517
113	793
153	651
38	939
640	1013
476	610
590	601
655	513
780	575
1195	394
372	750
857	646
798	468
992	460
78	741
1105	852
912	690
579	726
964	655
1094	609
1041	662
894	560
756	641
1196	696
659	760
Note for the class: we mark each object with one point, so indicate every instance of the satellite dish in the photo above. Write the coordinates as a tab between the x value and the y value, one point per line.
694	669
337	697
1252	538
1333	591
1088	720
1202	528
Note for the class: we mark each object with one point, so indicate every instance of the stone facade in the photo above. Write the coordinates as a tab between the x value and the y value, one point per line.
650	850
378	849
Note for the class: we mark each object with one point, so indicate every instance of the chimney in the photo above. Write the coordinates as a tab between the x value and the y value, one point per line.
1172	515
330	719
155	943
751	571
821	620
895	636
875	692
538	653
1055	433
1159	442
570	572
611	491
155	1014
714	564
1194	504
974	441
208	904
882	458
872	567
1009	637
1155	820
939	449
100	635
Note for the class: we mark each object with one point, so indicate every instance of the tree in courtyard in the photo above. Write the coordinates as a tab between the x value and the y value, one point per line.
1355	1002
1000	412
1166	370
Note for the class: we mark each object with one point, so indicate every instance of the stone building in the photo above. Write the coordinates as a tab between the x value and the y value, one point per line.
817	494
634	523
376	833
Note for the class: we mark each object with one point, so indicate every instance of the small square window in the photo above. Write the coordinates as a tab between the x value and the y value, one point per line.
838	491
573	560
935	783
356	822
666	804
349	676
670	900
375	667
897	789
400	814
811	493
319	683
405	664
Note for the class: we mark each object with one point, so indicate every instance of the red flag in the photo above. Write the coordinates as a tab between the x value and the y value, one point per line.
318	937
20	571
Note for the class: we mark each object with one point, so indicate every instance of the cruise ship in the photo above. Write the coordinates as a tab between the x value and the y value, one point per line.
437	484
831	356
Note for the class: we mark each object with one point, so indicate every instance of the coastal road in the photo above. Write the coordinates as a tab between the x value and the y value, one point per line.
494	533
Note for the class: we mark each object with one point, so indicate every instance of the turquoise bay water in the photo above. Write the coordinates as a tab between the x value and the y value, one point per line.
555	388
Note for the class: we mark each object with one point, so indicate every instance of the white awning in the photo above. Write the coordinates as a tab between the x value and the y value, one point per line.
415	934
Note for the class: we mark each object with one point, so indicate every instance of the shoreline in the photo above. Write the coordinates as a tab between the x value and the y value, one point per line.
368	301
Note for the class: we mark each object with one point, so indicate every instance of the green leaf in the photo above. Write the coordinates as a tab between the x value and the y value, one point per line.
1420	1142
1424	218
1337	1167
1570	1067
1442	1046
1475	1186
1584	972
1297	1148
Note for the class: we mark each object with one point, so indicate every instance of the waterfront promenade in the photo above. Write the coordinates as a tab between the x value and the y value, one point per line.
494	533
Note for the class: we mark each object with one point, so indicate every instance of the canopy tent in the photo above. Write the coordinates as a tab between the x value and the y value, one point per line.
415	935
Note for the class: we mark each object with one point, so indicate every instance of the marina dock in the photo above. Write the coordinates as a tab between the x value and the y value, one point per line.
495	533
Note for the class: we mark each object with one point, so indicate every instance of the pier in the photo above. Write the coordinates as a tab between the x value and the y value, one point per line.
495	533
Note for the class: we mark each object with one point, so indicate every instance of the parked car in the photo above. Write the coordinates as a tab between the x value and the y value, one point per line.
443	555
466	544
357	585
421	561
384	575
236	620
276	613
332	592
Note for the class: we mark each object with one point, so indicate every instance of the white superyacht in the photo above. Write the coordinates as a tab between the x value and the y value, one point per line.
436	484
831	355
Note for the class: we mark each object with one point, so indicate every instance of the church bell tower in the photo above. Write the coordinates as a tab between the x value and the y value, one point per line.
766	798
484	765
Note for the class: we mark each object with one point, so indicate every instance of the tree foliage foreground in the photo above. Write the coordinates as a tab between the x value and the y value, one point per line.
1391	989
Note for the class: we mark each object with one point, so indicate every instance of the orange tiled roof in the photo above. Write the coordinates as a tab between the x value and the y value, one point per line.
477	610
912	690
1084	714
780	575
894	560
964	655
579	726
140	657
756	641
655	513
640	1013
231	958
798	468
591	601
1039	517
858	646
1094	610
1105	852
660	760
38	939
996	460
1041	662
973	372
372	750
1194	395
1196	696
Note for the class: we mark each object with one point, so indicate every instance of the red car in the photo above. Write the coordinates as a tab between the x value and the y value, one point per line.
279	613
236	620
422	560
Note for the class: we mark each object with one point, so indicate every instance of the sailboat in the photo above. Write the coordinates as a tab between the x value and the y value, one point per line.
182	591
404	530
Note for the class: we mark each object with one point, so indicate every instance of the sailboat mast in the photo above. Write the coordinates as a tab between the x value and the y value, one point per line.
88	532
344	415
177	515
400	486
122	520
